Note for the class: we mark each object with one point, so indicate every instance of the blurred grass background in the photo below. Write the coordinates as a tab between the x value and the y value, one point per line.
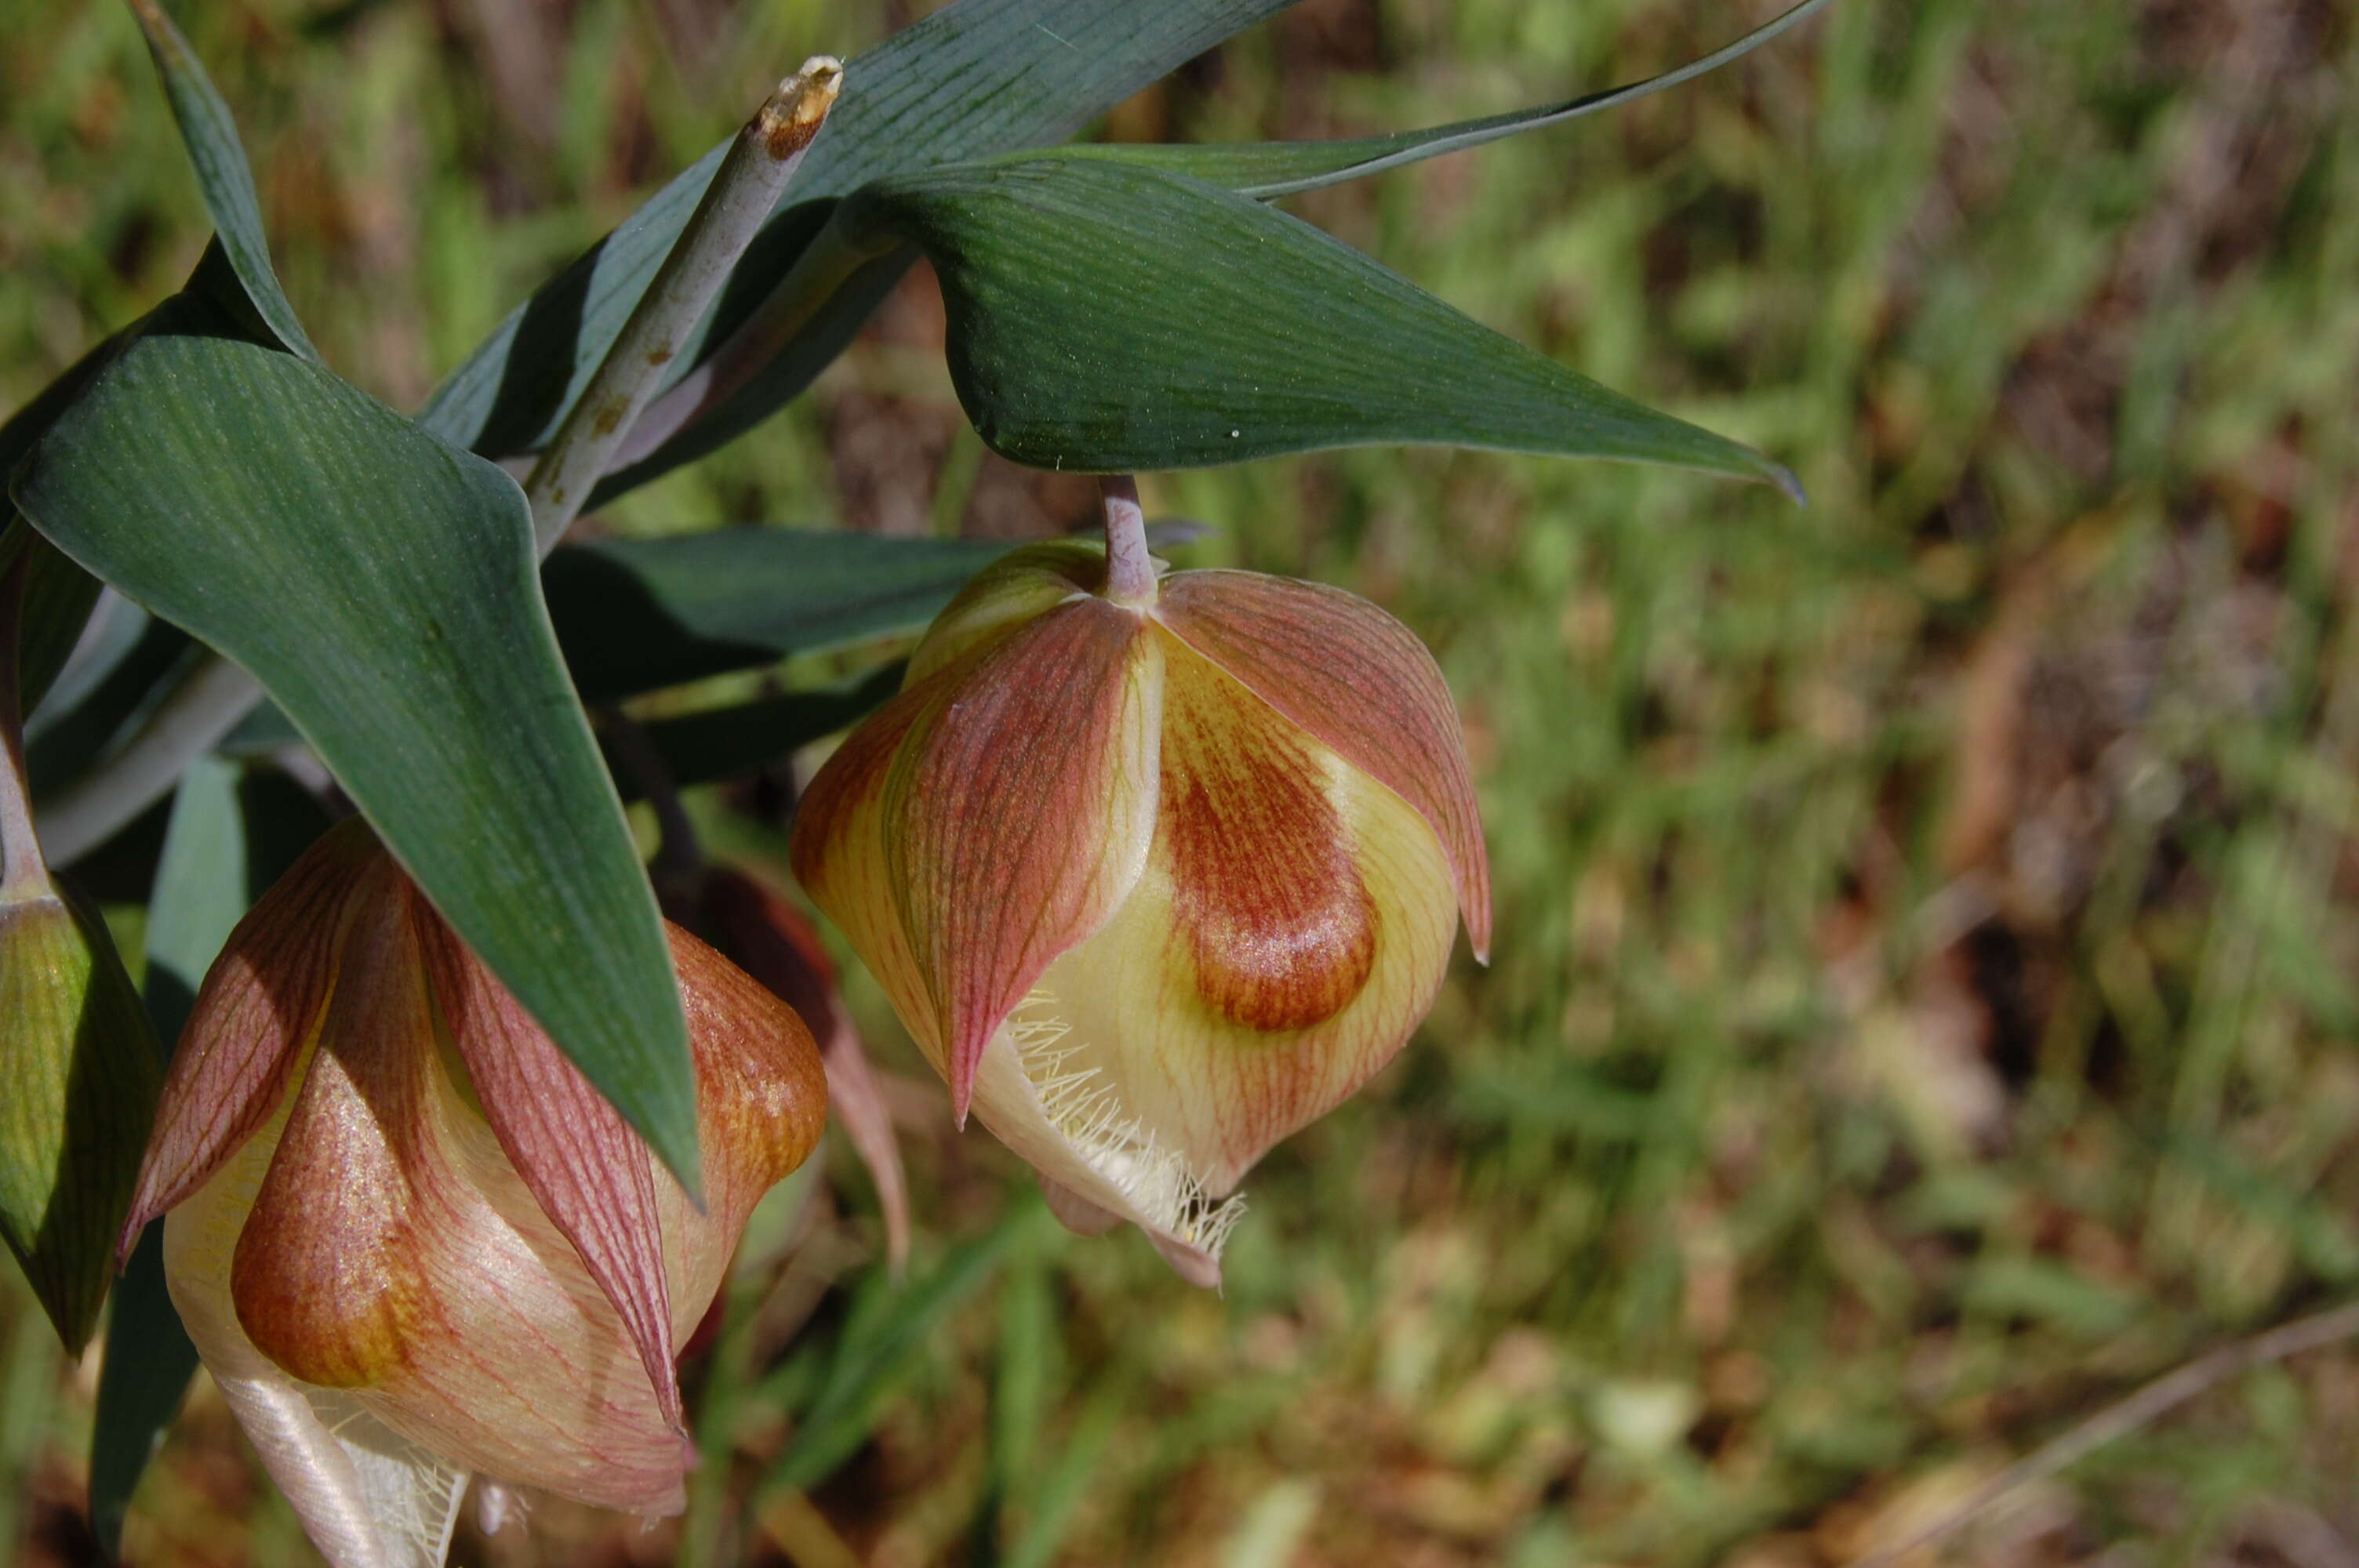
1924	1003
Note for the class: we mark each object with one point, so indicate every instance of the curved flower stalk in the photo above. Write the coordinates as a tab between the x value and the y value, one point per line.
409	1239
1156	871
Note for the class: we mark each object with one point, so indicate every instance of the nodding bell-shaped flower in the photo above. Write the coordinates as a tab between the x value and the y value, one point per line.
409	1239
1156	871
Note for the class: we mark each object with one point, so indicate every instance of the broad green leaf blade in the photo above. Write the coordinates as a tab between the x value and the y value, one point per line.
1107	319
210	137
975	77
1266	170
635	614
381	587
200	893
722	742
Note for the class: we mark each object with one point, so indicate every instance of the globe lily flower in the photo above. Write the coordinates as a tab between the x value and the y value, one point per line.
1157	871
409	1239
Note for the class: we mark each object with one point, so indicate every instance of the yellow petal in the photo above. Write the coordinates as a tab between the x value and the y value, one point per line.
368	1497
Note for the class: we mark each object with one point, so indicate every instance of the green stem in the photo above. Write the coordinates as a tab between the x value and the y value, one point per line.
1130	569
736	204
184	726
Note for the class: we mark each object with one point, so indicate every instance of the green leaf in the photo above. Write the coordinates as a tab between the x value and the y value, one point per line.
725	741
1105	318
975	77
1266	170
200	893
57	588
637	615
381	587
210	137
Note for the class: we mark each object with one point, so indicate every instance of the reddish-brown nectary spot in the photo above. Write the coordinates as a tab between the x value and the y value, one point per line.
1265	897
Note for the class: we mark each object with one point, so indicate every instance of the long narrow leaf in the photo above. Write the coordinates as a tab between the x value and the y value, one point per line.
381	587
1266	170
1105	318
210	137
200	893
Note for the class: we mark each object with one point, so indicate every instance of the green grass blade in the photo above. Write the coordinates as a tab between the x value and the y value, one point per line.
1104	317
879	1349
1266	170
381	587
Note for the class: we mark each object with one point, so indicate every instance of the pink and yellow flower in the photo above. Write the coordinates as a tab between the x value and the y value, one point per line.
412	1242
1154	874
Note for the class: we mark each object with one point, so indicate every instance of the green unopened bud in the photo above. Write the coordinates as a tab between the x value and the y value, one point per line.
79	1075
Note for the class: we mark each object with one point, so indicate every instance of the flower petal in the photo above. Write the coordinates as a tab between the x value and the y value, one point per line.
1291	927
1358	680
775	943
1021	586
581	1162
761	1103
367	1497
392	1249
255	1019
1021	780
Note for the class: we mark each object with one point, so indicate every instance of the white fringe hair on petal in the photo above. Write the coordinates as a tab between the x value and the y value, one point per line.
1086	1110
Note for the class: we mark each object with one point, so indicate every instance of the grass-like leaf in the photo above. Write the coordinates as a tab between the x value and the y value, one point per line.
1266	170
210	137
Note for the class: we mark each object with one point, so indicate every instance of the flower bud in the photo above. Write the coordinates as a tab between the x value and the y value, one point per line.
409	1238
1156	876
81	1070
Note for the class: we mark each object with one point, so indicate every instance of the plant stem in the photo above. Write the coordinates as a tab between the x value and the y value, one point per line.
678	863
736	205
207	705
1130	569
22	873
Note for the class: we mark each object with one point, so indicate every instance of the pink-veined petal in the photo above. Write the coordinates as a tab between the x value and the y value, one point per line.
1019	587
255	1018
761	1103
585	1167
368	1497
987	820
775	943
392	1251
1360	682
1292	926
